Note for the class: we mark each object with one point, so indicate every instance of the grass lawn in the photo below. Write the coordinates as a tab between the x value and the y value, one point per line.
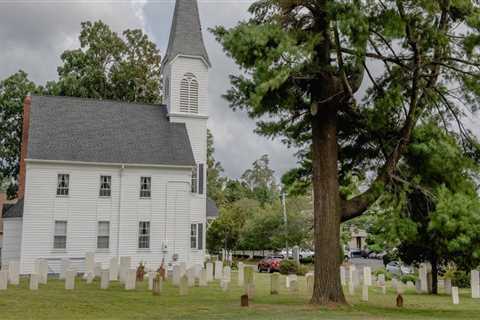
51	301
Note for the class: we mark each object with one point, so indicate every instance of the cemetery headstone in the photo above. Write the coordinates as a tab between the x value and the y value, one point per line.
447	286
14	273
227	274
34	278
90	276
224	284
475	283
384	289
343	276
89	262
98	269
131	279
310	281
177	274
367	276
125	263
65	267
218	270
70	279
114	269
365	292
43	271
202	280
157	284
289	279
104	279
249	281
293	285
381	279
240	278
151	279
191	276
418	286
3	279
209	271
274	283
455	297
183	285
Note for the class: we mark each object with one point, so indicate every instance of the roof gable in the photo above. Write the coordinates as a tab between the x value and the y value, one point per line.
105	131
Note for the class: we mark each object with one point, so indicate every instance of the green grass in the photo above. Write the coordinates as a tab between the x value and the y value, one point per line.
51	301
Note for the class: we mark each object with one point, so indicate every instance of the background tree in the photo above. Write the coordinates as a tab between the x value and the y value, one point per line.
260	181
303	61
215	181
107	66
432	213
13	90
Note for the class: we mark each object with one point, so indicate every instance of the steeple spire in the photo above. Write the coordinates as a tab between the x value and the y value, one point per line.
186	32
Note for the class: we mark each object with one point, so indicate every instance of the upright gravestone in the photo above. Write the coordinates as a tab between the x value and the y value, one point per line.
65	267
447	286
177	274
104	279
351	279
98	269
289	279
151	279
90	276
296	254
455	297
34	278
249	281
14	273
157	284
125	263
418	286
70	279
475	283
89	263
240	278
183	285
365	292
394	283
293	285
209	271
113	269
310	281
3	279
367	276
343	276
218	270
202	280
425	279
227	274
190	277
43	270
381	279
130	279
224	284
274	283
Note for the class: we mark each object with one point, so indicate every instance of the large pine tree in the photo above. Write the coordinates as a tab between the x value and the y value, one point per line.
303	63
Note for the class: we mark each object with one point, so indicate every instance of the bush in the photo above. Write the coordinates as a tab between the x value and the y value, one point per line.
461	279
388	275
307	260
408	277
291	267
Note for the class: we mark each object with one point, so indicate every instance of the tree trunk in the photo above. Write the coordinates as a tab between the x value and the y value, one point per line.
434	264
327	287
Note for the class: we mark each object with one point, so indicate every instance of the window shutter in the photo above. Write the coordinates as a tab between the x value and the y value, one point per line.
200	236
200	178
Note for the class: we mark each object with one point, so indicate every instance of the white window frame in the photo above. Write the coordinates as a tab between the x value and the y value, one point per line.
60	236
145	187
105	186
102	235
63	185
144	238
194	180
194	236
189	94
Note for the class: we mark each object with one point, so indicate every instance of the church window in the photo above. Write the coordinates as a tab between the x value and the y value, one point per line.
194	182
145	187
144	235
103	235
60	235
189	94
63	184
105	186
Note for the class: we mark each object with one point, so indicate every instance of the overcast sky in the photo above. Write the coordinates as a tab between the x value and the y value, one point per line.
33	34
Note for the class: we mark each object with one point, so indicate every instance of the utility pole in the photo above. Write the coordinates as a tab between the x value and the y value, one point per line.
285	222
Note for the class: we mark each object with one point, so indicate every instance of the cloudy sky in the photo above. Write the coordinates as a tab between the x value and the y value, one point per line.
33	34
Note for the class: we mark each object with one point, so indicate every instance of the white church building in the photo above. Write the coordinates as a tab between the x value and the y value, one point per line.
115	178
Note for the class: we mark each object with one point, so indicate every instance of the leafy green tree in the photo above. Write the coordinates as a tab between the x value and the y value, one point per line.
215	181
302	64
107	66
433	210
13	90
260	181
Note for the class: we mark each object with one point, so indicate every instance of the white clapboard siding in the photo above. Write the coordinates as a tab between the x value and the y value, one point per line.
12	238
84	208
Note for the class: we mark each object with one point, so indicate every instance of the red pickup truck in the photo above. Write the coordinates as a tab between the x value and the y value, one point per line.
270	264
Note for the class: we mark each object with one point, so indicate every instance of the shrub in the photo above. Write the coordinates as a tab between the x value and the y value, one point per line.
461	279
388	275
291	267
408	277
307	260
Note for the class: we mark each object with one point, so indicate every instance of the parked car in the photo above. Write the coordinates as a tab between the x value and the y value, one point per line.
306	253
355	253
270	264
398	268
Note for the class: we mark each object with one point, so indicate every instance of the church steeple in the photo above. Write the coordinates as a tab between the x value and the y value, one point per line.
186	33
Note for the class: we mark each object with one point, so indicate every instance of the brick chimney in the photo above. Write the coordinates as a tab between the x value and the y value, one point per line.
23	151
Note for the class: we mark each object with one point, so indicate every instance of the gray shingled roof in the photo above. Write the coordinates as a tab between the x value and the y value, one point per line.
186	32
212	210
88	130
13	210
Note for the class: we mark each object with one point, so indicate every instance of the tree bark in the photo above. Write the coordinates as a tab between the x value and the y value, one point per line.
327	287
434	264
